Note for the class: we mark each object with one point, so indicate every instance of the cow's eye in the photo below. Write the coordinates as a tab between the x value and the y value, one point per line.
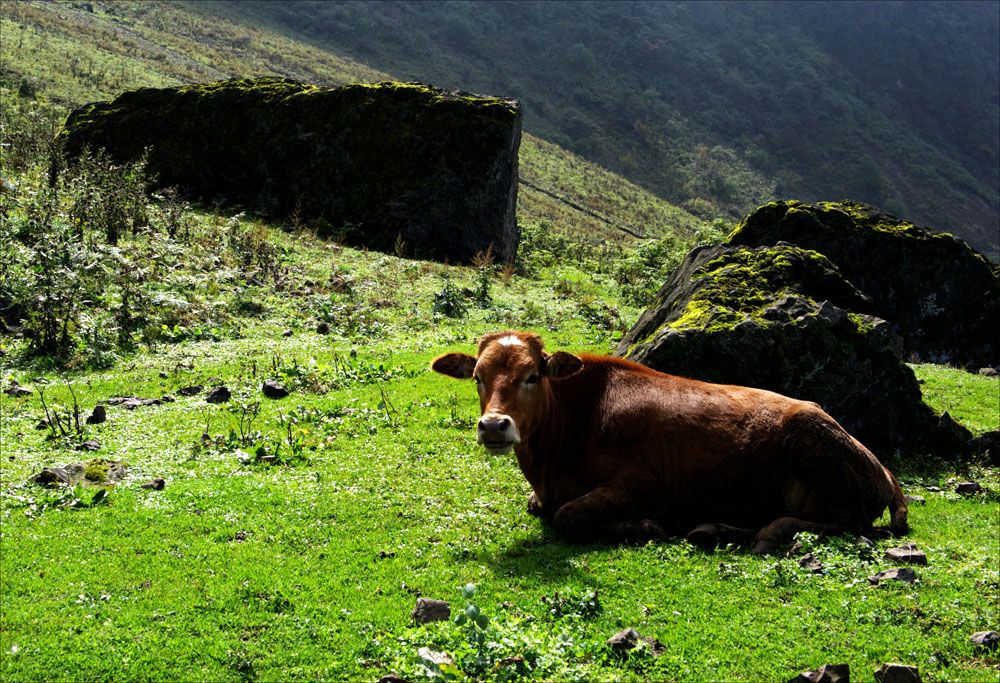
532	379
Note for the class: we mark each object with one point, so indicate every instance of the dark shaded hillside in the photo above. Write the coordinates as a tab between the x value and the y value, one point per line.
718	105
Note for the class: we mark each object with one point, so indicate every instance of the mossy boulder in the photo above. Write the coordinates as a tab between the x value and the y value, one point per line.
942	296
388	166
786	319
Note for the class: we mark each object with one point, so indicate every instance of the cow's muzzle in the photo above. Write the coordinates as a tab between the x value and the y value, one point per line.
497	433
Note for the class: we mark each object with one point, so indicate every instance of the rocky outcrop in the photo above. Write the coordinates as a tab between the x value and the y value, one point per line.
941	296
786	319
391	166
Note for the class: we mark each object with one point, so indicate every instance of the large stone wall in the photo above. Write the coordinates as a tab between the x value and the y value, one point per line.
388	166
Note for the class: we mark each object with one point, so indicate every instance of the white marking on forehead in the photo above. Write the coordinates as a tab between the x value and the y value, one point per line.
510	340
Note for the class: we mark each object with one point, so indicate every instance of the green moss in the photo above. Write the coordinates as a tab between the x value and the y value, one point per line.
97	471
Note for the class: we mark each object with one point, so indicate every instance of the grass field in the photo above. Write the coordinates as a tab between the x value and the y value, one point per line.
309	567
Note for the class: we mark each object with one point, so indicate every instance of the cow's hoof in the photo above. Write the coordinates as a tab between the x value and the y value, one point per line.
535	508
765	546
704	536
651	531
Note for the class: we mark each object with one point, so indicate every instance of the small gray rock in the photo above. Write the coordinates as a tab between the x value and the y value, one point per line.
629	639
968	488
219	395
986	640
811	564
906	554
99	416
90	445
988	371
286	333
323	328
828	673
273	389
439	658
392	678
156	484
904	574
897	673
428	610
916	499
18	392
934	489
192	390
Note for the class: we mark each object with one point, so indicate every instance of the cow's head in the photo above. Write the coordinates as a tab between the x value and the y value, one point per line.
512	374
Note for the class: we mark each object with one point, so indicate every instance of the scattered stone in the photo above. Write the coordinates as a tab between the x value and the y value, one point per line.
156	484
90	445
428	610
934	489
906	554
828	673
286	333
99	416
986	640
18	392
811	564
920	500
268	459
988	444
864	540
133	402
98	472
988	371
323	328
439	658
273	389
968	488
219	395
192	390
897	673
629	639
164	374
904	574
392	678
240	536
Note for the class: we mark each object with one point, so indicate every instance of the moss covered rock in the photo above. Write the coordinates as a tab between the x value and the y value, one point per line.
942	296
786	319
389	166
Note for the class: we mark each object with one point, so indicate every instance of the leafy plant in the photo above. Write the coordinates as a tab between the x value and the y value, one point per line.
449	301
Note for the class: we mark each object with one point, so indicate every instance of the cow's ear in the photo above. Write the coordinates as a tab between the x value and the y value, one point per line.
561	364
458	365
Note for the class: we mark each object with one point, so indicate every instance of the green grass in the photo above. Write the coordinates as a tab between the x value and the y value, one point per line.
972	399
309	569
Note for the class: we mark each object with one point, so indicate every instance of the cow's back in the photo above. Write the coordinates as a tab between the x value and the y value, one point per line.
686	449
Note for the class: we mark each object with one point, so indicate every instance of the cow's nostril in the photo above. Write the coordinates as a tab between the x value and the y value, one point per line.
494	424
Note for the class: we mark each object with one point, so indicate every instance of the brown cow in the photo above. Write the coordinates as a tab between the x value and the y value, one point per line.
618	451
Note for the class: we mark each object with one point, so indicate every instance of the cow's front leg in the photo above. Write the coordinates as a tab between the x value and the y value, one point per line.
605	514
536	508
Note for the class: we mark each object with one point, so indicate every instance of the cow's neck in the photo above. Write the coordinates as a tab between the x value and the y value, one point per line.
538	456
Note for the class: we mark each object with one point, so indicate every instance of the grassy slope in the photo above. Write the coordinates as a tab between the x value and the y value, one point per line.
309	570
126	45
736	104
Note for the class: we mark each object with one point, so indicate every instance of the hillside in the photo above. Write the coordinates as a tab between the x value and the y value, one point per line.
71	55
718	106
